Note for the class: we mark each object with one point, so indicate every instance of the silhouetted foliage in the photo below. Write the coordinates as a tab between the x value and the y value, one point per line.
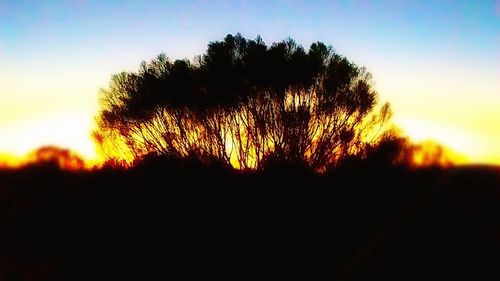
56	158
242	102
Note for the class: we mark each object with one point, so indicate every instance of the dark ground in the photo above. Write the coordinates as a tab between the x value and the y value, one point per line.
182	222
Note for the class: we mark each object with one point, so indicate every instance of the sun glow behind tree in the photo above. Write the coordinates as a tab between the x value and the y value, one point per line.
243	103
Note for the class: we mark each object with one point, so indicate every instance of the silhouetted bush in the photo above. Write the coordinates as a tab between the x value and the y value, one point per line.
242	102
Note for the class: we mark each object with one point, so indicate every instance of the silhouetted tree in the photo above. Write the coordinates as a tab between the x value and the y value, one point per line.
55	157
432	154
242	102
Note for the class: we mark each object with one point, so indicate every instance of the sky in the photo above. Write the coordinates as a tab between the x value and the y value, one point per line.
436	62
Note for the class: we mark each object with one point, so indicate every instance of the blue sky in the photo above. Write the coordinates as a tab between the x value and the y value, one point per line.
437	62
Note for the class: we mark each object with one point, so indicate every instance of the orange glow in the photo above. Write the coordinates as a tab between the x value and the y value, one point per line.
49	111
9	160
429	153
467	145
457	107
51	155
64	130
47	156
448	146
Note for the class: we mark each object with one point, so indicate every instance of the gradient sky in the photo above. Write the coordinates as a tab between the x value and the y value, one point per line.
436	62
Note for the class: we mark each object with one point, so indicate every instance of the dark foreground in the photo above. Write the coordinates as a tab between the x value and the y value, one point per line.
192	223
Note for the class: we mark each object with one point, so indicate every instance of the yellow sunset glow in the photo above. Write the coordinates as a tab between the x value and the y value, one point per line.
473	148
63	129
29	121
439	71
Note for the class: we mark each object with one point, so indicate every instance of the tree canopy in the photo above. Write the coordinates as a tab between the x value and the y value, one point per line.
244	103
